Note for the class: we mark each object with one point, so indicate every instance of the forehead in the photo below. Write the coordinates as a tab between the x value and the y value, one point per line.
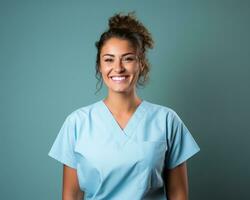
117	46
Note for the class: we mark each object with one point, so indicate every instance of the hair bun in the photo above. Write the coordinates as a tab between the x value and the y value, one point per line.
119	21
131	24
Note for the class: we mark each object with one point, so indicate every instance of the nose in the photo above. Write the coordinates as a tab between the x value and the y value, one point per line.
118	67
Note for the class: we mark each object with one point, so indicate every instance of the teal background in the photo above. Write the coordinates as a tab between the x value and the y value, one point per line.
200	68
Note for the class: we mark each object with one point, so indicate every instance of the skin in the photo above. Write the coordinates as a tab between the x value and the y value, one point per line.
122	101
177	182
71	189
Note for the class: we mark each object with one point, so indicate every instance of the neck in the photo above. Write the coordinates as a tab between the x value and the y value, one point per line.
121	102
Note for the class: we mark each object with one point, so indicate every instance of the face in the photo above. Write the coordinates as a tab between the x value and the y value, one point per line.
119	65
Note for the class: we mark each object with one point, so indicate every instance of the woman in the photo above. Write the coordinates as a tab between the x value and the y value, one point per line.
123	147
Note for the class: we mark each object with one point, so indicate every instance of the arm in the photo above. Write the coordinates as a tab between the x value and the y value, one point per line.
177	183
71	189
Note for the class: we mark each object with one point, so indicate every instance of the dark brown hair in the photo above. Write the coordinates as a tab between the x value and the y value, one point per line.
129	28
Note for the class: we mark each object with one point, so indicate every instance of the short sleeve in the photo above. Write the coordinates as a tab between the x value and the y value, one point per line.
63	146
181	144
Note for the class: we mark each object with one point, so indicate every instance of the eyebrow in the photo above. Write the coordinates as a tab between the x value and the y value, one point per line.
114	55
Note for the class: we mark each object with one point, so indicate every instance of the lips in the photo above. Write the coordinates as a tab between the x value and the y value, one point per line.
118	78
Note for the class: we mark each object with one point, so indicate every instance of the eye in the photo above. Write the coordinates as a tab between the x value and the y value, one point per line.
129	58
108	60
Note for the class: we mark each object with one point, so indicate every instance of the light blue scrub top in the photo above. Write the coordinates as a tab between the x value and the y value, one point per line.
119	164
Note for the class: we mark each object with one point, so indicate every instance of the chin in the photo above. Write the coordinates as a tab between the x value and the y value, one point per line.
126	88
121	90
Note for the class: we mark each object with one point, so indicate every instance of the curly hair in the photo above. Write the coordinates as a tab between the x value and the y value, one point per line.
127	27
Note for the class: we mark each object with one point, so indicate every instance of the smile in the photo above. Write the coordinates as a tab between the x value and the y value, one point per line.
119	79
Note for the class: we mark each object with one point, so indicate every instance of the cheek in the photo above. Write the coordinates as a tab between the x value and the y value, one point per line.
104	70
135	70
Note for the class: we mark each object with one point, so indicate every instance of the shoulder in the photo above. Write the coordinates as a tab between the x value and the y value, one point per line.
162	110
79	119
82	113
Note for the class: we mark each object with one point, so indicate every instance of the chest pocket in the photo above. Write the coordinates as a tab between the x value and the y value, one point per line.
152	157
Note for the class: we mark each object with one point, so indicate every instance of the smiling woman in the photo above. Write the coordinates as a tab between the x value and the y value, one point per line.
122	146
119	66
135	37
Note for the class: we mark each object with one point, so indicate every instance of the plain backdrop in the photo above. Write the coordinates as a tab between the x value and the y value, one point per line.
199	67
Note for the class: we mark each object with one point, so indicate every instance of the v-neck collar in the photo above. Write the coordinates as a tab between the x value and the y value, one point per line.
133	121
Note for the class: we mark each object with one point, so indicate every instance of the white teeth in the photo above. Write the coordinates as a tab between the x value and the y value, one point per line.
116	78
